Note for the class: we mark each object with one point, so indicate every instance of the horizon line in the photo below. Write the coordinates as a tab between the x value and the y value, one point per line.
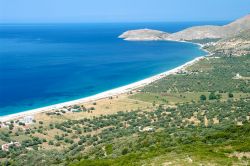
112	22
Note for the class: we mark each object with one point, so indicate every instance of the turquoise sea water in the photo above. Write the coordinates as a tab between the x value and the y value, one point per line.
46	64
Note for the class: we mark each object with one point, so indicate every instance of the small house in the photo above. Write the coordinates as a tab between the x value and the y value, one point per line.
27	119
5	147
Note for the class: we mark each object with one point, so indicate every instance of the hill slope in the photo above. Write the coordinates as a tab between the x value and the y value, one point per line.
197	32
232	46
201	32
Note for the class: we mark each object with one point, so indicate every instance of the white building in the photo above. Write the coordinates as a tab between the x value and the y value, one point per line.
5	147
27	119
146	129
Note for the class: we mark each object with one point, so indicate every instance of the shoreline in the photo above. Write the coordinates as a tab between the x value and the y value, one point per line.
106	94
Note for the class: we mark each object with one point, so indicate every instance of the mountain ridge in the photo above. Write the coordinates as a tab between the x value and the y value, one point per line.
192	33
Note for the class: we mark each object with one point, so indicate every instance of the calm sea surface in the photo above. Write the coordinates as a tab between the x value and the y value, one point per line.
44	64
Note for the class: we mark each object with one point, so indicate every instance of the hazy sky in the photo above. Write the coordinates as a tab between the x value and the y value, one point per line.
121	10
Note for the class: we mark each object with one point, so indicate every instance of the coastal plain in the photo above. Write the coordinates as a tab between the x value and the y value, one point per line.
116	125
197	114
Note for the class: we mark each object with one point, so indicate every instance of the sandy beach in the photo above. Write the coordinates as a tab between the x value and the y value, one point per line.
106	94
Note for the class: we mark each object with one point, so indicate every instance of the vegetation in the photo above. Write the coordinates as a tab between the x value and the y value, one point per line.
209	75
201	117
204	41
234	45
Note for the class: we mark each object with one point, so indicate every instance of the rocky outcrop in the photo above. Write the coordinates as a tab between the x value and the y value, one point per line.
144	35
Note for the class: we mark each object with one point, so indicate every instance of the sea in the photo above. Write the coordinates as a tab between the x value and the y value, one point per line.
45	64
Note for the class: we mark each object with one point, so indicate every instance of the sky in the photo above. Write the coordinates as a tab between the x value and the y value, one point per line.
30	11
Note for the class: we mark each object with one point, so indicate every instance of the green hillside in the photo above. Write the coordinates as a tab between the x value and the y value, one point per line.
231	46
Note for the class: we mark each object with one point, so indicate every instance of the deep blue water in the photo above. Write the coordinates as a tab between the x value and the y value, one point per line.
45	64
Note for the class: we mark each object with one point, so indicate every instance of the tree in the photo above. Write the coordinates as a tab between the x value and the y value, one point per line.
124	151
203	98
11	126
51	142
212	96
230	95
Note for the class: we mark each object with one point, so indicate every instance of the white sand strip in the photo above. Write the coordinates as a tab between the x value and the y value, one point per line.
106	94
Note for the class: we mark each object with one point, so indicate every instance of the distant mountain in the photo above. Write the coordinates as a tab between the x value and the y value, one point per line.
198	32
193	33
231	46
209	31
144	35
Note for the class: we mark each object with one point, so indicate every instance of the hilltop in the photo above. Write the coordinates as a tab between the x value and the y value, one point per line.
209	31
229	40
144	34
193	33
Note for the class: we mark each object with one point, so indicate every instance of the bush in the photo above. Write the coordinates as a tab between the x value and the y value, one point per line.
58	144
92	108
124	151
51	142
203	98
212	96
230	95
